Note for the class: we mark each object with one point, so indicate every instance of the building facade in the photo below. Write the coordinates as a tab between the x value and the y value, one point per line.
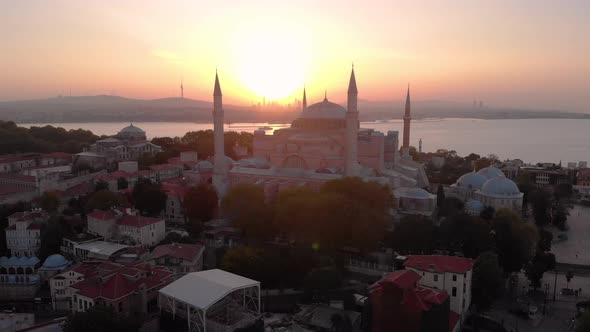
180	258
128	226
23	234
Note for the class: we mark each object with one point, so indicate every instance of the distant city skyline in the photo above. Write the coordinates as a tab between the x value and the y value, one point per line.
525	54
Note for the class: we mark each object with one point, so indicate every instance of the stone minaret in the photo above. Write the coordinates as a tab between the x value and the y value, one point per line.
181	89
220	167
407	119
352	126
304	106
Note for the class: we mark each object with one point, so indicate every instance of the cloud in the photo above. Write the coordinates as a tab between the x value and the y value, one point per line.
167	56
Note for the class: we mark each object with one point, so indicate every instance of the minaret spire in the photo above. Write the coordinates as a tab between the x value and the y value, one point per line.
304	108
181	89
220	168
351	166
407	120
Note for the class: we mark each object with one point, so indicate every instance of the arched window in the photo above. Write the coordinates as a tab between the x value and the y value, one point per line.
3	270
20	270
28	270
11	270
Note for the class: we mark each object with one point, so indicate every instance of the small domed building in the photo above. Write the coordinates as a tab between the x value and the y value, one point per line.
130	143
486	187
53	265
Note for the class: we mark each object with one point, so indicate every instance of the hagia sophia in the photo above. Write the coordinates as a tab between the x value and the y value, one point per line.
325	142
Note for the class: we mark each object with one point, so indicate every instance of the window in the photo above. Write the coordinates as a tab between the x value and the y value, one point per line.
436	277
454	277
454	291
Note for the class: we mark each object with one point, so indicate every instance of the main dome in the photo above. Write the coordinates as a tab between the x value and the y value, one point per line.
132	129
490	172
500	186
471	181
324	110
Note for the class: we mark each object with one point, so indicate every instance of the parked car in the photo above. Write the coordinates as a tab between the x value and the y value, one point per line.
566	291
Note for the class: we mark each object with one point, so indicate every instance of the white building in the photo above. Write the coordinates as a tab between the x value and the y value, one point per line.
23	234
448	273
180	258
490	187
120	226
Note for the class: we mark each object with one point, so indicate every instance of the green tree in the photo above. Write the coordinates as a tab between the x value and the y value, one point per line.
49	201
51	238
200	203
149	198
245	205
122	183
440	195
174	237
244	260
541	202
320	281
487	280
516	241
414	234
101	185
569	276
104	200
450	206
487	213
101	318
583	323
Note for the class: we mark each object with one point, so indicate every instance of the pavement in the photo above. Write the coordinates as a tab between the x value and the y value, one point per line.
576	249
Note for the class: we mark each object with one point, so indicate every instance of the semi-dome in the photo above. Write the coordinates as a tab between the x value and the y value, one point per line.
490	172
132	129
55	261
417	193
324	110
500	186
474	205
471	180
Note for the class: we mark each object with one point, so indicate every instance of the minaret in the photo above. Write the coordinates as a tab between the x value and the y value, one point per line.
407	119
220	167
420	146
304	106
352	126
181	90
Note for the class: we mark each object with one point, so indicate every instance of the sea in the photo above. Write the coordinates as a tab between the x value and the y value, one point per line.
532	140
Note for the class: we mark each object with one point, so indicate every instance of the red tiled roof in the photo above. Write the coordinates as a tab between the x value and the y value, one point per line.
17	177
57	155
137	221
188	252
102	215
9	189
27	215
79	189
404	279
164	167
120	174
439	263
34	226
120	281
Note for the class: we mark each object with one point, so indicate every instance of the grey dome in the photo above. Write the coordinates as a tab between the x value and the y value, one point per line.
502	186
490	172
471	180
474	205
324	110
55	261
132	129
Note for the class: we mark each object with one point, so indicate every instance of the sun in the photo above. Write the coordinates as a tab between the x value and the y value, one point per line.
271	64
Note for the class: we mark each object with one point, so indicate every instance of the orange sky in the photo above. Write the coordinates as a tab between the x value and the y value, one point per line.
507	53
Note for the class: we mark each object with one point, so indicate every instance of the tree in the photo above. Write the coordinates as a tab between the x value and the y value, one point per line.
101	185
465	233
174	237
541	202
487	280
583	323
245	205
516	241
243	260
320	281
200	202
569	276
49	201
541	263
450	206
122	183
100	318
414	234
51	238
104	200
560	213
149	198
487	213
440	195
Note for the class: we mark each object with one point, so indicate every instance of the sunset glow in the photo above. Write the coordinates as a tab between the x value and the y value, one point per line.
506	53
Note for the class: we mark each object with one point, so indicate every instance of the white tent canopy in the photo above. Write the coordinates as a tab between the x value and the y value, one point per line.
199	291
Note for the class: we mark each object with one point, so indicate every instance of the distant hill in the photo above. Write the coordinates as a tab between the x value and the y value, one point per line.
107	108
